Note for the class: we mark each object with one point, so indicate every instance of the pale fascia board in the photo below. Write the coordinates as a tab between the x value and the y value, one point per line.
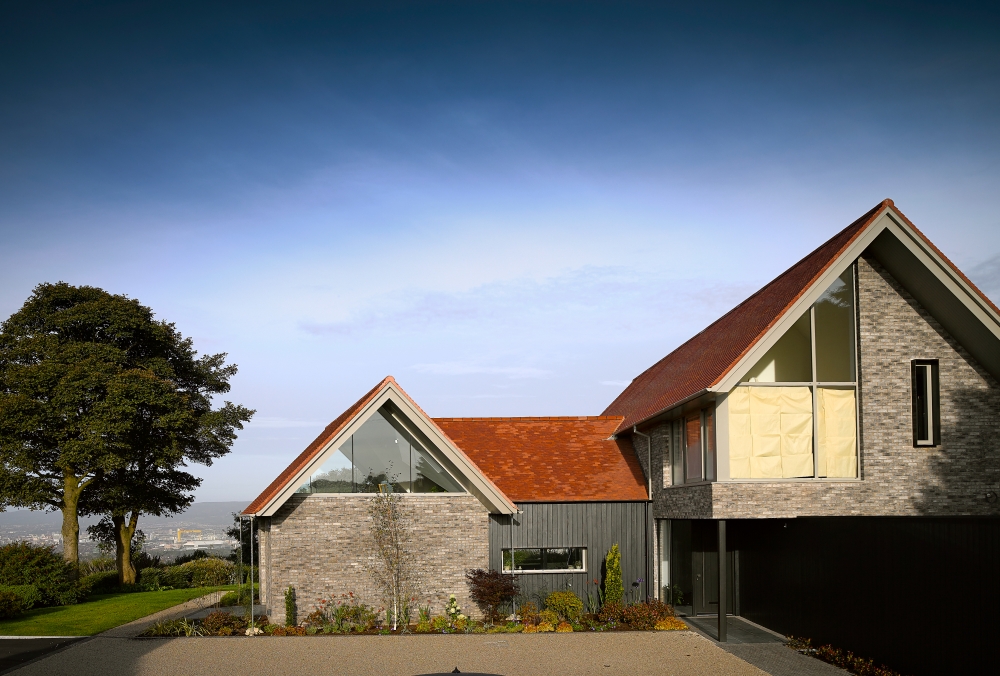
470	477
804	302
945	274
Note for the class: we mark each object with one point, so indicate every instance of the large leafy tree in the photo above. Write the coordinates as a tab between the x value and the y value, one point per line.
100	407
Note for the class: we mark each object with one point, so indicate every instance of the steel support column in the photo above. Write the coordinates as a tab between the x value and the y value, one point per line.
723	587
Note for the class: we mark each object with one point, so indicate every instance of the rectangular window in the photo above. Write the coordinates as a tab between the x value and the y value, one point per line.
926	423
708	437
692	448
677	446
547	560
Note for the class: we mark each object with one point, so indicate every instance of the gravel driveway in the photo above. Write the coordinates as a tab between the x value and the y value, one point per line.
676	653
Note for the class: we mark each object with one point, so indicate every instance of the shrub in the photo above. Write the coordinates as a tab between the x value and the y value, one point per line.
102	564
492	591
22	563
28	593
193	556
564	627
614	591
223	624
100	583
859	666
207	572
549	616
440	623
291	613
640	616
565	604
528	613
545	626
662	610
669	624
11	604
611	612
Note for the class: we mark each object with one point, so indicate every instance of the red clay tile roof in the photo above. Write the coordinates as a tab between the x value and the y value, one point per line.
705	359
562	459
312	449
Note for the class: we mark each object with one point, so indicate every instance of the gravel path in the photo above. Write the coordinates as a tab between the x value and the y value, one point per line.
679	653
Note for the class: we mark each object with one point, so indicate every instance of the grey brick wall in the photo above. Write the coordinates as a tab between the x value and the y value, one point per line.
316	544
897	479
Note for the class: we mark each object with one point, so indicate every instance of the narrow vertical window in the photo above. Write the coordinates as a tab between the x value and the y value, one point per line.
677	457
693	448
708	439
926	424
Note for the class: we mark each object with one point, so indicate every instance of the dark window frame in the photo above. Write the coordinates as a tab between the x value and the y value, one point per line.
919	410
544	558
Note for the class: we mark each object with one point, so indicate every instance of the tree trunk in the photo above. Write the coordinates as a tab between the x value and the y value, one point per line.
123	546
71	518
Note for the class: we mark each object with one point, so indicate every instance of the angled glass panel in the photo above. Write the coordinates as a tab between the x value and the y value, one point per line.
334	476
835	331
381	457
429	476
789	360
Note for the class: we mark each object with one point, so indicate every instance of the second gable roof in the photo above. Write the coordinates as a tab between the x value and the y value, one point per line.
710	357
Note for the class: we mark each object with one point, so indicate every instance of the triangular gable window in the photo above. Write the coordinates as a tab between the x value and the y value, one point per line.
795	412
381	456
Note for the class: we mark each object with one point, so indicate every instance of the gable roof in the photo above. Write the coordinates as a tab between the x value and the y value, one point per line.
418	424
713	358
559	459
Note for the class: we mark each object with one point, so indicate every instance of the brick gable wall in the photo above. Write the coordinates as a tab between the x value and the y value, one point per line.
316	543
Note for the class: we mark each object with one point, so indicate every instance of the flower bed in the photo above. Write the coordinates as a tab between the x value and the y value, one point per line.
845	659
348	616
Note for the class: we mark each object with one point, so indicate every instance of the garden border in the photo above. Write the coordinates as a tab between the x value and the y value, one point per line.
135	627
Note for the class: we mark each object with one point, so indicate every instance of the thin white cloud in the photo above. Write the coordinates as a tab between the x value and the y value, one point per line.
463	369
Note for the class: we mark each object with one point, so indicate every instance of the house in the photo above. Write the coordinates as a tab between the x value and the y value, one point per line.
835	436
546	496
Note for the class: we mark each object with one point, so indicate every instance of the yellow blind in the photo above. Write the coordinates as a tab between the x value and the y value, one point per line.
837	448
770	432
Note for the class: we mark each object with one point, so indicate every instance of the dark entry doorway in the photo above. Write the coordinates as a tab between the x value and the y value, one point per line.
705	569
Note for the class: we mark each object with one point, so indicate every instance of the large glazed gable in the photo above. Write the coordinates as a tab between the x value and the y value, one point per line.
713	359
406	415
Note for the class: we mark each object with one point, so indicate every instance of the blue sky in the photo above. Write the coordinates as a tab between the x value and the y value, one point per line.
513	208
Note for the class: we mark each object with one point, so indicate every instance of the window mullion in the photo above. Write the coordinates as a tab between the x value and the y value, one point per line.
815	417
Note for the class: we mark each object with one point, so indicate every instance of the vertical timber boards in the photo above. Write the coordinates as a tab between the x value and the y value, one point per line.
594	525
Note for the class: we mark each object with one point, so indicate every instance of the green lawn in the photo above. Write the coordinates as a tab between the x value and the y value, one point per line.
99	613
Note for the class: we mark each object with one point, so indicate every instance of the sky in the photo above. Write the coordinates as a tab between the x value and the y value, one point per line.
513	208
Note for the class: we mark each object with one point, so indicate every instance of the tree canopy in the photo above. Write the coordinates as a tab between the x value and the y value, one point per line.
101	405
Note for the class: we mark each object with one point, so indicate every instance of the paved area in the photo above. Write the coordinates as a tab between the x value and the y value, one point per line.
761	647
738	630
676	653
16	651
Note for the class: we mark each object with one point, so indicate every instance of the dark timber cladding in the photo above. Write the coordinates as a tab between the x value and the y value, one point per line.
594	525
886	588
